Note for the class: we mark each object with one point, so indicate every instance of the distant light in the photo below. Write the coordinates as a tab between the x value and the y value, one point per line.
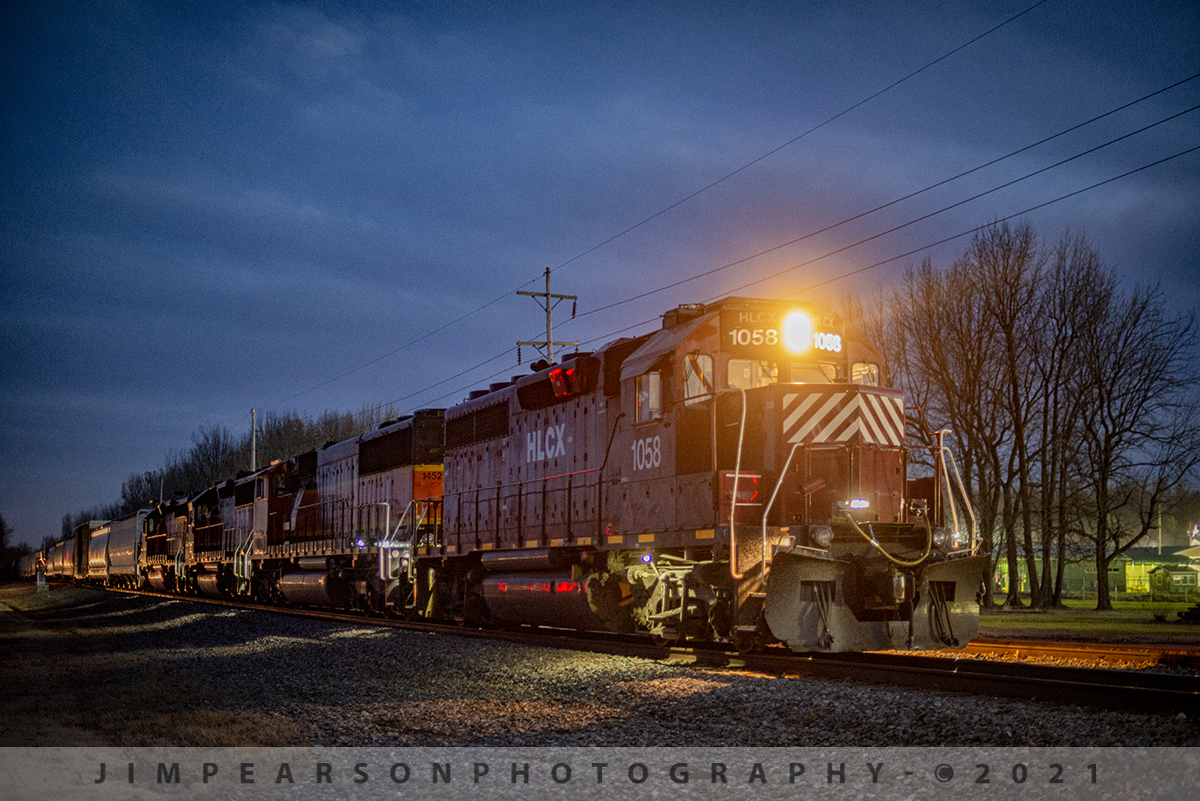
859	503
360	542
797	332
647	558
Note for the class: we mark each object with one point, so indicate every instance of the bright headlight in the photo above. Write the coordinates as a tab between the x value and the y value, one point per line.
797	332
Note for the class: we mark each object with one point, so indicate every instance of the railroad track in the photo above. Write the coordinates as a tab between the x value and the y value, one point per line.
946	671
1167	655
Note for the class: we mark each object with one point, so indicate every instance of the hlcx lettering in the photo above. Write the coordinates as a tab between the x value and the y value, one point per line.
540	446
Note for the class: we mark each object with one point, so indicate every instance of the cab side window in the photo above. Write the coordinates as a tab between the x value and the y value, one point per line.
648	397
697	378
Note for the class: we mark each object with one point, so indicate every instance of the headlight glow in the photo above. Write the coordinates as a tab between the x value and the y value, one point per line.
797	332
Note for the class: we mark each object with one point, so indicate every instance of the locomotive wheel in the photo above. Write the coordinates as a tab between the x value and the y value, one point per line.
668	640
748	642
261	591
374	603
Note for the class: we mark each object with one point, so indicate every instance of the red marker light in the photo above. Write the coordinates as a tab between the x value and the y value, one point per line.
559	382
567	586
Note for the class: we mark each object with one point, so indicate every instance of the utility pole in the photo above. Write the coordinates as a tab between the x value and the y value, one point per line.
253	441
548	301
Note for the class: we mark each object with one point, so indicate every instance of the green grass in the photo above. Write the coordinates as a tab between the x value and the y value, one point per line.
1128	620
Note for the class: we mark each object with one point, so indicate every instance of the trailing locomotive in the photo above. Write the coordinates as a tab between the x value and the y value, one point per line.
739	475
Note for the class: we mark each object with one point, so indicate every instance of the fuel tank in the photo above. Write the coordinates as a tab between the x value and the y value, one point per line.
540	599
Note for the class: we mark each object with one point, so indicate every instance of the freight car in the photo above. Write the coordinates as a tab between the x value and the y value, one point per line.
27	565
110	553
740	475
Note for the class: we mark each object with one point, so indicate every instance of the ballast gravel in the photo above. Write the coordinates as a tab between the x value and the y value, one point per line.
86	668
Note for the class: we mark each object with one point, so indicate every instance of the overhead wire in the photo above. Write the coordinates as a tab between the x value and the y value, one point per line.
974	197
845	248
873	237
889	204
670	207
925	247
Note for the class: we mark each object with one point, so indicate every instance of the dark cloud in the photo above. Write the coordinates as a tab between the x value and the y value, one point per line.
212	207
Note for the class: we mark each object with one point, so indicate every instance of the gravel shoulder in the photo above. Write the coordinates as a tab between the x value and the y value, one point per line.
80	667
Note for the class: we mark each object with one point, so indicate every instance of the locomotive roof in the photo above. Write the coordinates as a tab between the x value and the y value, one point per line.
658	345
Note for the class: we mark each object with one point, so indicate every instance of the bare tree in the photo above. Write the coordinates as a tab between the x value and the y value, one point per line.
1007	264
949	359
1075	294
216	455
1139	422
1069	400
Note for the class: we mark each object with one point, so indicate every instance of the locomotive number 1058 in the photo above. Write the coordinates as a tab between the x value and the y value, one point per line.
770	336
647	453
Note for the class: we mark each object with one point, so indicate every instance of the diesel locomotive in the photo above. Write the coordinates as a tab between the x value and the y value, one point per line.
740	475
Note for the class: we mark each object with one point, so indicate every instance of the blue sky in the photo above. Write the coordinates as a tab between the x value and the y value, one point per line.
213	207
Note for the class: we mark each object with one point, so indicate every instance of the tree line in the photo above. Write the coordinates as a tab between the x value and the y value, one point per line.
217	454
1072	401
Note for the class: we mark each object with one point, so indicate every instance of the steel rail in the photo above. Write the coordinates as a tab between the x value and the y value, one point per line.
1157	653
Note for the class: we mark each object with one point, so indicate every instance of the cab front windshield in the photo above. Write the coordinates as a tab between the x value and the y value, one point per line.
751	373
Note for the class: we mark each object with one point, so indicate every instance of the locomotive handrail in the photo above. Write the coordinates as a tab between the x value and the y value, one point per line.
499	488
387	515
425	505
944	452
733	504
938	453
767	510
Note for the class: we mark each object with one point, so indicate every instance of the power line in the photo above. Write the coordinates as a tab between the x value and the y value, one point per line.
607	336
672	206
912	252
797	138
864	240
976	228
909	196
